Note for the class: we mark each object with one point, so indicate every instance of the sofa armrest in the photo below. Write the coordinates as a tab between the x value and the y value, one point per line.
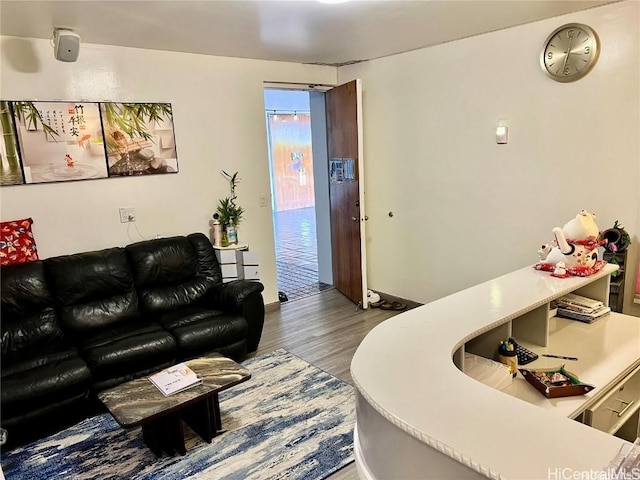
230	296
245	298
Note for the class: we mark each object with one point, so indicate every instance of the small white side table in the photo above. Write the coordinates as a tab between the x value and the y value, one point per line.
237	262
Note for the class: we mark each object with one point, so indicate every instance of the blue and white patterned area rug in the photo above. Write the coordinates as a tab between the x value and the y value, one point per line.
291	420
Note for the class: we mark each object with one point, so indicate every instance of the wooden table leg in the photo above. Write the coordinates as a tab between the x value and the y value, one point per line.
165	434
216	411
201	418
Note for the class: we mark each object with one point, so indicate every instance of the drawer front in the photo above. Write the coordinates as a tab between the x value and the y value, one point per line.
617	405
229	270
250	258
251	272
226	256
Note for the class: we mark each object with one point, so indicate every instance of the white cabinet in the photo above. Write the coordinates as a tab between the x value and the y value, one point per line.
229	260
229	272
238	263
227	256
608	353
617	407
250	265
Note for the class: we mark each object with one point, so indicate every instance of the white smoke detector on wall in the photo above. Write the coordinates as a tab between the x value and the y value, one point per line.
66	45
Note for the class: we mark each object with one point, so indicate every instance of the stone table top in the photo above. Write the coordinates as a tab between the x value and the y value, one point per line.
133	402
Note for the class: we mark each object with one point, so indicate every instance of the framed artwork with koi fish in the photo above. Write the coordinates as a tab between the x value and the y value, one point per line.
60	141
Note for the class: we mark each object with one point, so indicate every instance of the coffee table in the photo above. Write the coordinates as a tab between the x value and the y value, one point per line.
140	403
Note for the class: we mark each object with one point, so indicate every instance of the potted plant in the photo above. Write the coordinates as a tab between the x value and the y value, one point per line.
230	214
616	238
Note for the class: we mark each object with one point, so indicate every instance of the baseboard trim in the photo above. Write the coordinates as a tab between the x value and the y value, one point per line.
392	298
272	307
363	470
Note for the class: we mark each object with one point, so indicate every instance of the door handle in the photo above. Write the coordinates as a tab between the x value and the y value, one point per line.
355	219
366	217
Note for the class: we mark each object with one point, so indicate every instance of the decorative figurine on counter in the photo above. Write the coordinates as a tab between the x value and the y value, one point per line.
560	270
574	250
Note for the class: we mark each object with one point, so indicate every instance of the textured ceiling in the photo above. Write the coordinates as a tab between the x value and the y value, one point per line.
302	31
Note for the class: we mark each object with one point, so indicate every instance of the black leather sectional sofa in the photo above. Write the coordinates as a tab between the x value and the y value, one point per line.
77	324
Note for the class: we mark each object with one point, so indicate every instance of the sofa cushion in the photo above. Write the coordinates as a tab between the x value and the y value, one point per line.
171	297
29	321
42	380
198	330
173	273
127	348
93	290
163	261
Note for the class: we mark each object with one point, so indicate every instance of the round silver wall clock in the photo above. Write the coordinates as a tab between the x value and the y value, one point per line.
570	52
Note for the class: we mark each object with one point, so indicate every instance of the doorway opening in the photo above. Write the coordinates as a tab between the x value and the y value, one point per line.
299	191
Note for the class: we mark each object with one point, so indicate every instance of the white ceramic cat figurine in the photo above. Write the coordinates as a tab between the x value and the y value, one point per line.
575	243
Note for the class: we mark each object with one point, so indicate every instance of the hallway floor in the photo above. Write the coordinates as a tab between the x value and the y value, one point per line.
296	253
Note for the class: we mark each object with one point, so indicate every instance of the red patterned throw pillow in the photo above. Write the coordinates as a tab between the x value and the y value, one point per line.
17	244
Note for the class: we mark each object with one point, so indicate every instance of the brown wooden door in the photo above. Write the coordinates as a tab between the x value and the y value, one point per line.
346	192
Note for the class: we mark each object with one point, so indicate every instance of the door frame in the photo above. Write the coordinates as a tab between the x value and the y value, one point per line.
323	218
363	215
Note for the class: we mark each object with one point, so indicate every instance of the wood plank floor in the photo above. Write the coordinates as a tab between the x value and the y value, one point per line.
324	330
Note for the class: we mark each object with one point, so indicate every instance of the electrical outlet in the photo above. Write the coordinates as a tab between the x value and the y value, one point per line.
127	214
263	200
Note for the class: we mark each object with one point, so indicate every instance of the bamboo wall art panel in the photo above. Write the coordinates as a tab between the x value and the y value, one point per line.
60	141
140	138
10	165
64	141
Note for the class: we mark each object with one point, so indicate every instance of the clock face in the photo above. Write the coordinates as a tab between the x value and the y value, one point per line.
570	52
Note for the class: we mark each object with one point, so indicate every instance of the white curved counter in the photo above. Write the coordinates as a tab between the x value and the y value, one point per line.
419	416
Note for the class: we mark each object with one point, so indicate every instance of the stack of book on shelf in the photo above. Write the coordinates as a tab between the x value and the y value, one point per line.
175	379
581	308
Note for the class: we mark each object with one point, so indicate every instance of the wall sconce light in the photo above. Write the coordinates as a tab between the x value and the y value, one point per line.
502	133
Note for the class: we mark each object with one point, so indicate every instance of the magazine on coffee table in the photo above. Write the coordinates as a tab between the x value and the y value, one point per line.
175	379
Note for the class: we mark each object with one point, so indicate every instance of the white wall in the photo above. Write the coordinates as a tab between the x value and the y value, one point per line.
466	209
218	108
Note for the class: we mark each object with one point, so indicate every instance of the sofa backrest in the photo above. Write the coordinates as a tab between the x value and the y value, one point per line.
93	290
29	321
171	273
